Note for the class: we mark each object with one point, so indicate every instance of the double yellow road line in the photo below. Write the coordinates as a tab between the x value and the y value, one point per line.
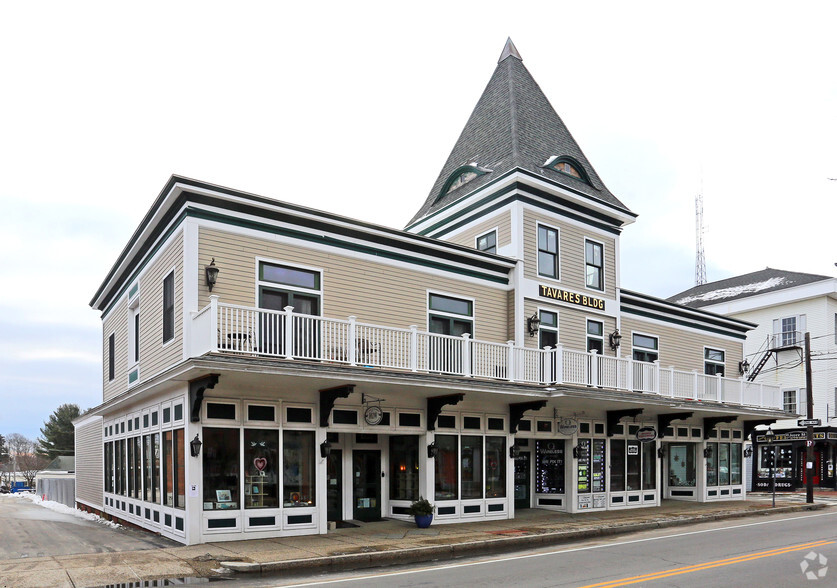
708	565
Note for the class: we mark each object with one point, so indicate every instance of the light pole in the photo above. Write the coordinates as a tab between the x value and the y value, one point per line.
770	436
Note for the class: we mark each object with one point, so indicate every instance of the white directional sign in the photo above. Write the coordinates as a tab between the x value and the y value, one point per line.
808	423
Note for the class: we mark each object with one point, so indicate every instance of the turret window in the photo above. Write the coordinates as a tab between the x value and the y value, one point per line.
461	176
568	166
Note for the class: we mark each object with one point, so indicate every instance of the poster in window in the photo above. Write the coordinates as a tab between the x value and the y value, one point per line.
549	460
598	465
583	465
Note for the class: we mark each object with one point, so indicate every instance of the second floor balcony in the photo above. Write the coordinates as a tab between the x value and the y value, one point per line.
227	328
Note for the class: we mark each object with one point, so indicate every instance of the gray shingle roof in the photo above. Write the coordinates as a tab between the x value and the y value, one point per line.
514	126
743	286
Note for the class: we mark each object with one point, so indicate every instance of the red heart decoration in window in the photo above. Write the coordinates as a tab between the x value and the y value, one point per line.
260	463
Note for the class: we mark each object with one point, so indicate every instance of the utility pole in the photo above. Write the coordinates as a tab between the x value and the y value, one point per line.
809	459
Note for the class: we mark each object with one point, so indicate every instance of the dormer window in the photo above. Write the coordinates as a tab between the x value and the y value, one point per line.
461	176
567	166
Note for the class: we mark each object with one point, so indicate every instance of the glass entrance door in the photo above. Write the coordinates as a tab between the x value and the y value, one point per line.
522	477
334	487
366	476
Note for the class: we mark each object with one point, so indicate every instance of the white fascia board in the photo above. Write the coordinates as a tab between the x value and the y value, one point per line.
588	229
776	298
662	322
467	227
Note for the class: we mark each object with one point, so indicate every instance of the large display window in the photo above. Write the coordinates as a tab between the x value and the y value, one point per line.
446	467
221	474
495	467
723	464
681	465
404	467
471	466
261	468
174	474
151	467
550	466
298	469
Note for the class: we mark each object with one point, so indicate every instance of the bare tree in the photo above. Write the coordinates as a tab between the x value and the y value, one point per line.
29	464
23	458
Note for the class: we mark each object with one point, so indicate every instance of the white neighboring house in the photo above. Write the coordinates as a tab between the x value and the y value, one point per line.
785	305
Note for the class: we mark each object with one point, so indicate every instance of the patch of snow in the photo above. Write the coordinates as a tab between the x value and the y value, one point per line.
221	570
733	291
64	509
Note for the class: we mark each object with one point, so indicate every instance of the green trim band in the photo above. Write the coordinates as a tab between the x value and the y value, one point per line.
674	321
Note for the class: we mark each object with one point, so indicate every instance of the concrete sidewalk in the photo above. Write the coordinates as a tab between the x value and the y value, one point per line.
368	545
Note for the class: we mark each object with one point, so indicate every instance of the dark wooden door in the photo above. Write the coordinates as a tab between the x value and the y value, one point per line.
334	486
366	491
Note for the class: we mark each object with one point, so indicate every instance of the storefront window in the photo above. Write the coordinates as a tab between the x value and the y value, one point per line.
174	482
298	471
784	461
261	471
471	466
130	463
735	464
617	465
495	467
633	462
108	466
151	467
549	461
723	464
220	468
649	466
681	465
404	464
712	464
446	466
120	466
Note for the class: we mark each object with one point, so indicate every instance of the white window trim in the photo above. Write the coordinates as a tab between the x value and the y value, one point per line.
713	362
584	256
601	338
472	300
172	273
289	288
538	225
496	231
133	338
642	334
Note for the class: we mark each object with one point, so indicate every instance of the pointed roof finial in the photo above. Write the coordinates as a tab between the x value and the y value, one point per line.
509	51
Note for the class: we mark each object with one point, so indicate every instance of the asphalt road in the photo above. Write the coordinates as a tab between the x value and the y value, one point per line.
763	552
29	530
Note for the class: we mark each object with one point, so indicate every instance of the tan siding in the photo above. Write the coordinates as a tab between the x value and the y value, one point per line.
502	222
571	252
680	348
154	356
89	463
117	323
572	326
374	292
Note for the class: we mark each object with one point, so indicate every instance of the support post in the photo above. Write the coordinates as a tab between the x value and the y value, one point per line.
289	332
414	348
809	458
351	344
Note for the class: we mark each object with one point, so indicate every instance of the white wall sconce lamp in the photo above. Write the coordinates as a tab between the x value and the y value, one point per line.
211	274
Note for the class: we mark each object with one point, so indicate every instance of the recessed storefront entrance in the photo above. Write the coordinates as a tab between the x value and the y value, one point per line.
334	485
522	475
366	484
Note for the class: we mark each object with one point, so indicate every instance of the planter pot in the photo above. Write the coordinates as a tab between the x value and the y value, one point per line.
423	521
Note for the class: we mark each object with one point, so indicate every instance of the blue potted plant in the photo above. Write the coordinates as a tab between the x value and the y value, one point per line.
422	510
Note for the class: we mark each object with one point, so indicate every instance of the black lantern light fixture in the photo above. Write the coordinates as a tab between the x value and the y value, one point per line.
432	450
514	451
615	339
533	323
576	452
661	451
325	448
743	367
211	274
707	452
749	451
195	446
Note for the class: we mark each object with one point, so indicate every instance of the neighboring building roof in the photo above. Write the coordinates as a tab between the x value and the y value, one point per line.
62	463
514	126
744	286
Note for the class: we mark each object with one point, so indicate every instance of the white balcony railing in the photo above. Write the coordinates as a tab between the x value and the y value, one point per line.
288	335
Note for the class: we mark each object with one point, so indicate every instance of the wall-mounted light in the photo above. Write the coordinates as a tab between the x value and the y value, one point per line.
661	451
615	339
211	274
748	452
533	323
325	449
195	446
514	451
576	452
743	367
432	450
707	452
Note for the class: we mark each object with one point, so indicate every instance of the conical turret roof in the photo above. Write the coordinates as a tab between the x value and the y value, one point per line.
514	126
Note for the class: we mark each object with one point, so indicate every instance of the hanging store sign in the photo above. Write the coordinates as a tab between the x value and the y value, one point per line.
646	434
571	297
373	415
567	426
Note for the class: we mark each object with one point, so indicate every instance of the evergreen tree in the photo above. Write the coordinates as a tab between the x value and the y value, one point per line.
58	436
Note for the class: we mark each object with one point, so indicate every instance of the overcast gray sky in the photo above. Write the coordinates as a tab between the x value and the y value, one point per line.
353	107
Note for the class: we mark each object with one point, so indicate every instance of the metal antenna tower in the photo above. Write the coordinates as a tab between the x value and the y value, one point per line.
700	259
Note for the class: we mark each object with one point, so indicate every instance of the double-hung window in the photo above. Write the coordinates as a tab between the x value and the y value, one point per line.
787	331
713	361
789	401
594	265
645	348
168	307
548	252
488	242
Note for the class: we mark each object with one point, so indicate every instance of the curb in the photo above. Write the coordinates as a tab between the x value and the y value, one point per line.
413	555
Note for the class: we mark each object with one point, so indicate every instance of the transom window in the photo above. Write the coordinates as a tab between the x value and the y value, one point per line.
451	305
290	276
488	242
594	261
713	361
548	252
645	348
